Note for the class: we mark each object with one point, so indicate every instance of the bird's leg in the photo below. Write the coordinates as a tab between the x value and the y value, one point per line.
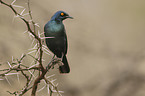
54	61
58	60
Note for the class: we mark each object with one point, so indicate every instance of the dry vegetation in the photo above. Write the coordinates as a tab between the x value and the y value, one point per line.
106	46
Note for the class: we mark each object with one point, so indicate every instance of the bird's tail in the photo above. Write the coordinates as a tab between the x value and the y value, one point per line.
64	68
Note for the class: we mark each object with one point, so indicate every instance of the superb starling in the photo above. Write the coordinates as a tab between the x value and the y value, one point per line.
58	44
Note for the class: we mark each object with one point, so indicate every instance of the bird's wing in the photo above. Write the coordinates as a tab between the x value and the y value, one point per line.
65	43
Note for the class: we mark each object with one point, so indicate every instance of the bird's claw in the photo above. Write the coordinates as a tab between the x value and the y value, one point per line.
57	61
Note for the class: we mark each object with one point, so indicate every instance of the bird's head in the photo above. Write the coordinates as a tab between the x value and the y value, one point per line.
60	16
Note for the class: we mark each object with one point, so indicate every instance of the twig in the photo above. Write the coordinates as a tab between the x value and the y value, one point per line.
54	86
22	67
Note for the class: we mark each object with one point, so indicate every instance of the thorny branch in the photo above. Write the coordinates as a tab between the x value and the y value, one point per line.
22	68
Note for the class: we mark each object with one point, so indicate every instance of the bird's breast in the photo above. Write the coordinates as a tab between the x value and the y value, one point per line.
55	27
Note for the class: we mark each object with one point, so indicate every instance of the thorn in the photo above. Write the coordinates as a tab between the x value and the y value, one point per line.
32	51
39	34
25	14
32	43
25	31
31	73
34	48
42	33
18	78
22	55
30	34
50	76
16	16
46	50
53	80
46	37
61	92
37	53
35	45
13	19
22	11
15	65
33	65
36	24
41	88
8	81
44	81
30	21
46	53
44	46
48	88
11	74
30	81
43	59
18	6
13	2
9	64
56	85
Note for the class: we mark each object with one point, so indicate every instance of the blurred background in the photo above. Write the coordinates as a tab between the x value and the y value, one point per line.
106	45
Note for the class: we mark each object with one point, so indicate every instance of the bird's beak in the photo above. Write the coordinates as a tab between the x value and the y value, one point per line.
69	17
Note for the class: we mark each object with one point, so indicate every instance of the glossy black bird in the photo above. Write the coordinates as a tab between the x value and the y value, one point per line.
58	45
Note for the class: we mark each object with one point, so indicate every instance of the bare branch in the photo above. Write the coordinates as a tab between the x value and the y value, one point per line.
28	71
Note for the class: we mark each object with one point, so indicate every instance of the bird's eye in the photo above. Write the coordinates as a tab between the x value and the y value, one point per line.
62	14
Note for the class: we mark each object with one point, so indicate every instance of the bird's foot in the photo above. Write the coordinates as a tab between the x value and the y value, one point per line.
57	61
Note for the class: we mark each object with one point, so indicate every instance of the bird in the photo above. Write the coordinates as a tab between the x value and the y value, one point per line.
58	43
